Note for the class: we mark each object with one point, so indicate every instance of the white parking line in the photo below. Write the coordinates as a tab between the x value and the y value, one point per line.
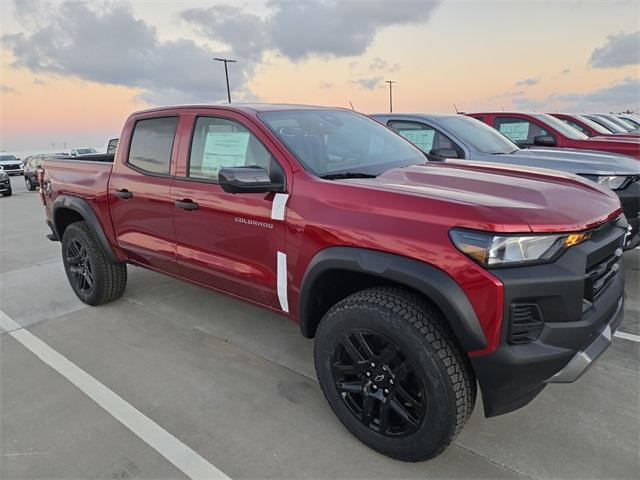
627	336
176	452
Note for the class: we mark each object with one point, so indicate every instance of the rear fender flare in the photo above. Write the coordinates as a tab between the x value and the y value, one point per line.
82	207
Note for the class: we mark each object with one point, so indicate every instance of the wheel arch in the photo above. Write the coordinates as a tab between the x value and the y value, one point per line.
381	268
68	209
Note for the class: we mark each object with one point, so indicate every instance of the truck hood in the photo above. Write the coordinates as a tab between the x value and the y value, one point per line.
591	162
499	197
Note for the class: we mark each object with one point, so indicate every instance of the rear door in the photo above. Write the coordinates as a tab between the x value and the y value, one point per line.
140	194
231	242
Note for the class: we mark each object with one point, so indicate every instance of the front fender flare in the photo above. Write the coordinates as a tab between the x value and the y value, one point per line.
432	282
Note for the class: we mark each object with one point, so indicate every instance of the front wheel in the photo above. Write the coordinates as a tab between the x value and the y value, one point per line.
94	278
393	374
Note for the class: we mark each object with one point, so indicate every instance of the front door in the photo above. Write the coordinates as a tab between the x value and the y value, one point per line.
231	242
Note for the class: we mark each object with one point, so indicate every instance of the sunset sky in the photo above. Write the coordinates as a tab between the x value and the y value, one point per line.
73	70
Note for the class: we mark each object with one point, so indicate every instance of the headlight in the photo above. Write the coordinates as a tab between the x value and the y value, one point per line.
491	250
614	182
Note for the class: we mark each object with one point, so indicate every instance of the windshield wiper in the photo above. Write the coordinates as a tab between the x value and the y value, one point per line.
341	176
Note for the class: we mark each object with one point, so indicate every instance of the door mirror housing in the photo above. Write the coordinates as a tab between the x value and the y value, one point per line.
247	180
444	153
544	141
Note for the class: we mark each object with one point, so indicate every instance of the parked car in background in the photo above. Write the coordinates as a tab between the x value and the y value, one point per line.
5	184
542	130
461	137
31	167
618	121
79	152
10	164
609	125
591	128
633	120
418	280
112	145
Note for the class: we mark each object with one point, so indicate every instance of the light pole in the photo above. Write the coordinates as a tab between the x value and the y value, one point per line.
226	73
390	82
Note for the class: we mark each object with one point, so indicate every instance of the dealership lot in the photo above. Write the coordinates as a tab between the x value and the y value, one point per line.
236	385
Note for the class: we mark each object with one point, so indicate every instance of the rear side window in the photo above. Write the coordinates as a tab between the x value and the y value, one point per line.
152	143
221	143
519	130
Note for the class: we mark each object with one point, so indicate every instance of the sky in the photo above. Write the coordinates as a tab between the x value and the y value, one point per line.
71	71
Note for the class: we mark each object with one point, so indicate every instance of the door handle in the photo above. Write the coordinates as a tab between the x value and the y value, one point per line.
187	204
124	193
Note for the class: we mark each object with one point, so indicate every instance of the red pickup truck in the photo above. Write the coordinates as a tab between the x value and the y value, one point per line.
417	279
543	130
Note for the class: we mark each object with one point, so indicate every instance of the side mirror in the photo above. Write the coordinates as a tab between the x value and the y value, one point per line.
444	152
544	141
247	180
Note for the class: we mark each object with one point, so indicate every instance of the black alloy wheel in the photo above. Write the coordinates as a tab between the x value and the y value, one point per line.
80	266
378	383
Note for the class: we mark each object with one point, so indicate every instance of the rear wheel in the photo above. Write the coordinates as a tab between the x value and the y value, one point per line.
30	184
393	374
94	278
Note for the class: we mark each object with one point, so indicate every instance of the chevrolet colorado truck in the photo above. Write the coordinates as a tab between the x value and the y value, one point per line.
542	130
419	280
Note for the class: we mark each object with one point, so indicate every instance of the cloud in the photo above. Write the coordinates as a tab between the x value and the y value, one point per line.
298	30
618	51
368	83
7	89
565	71
378	64
325	85
110	46
528	82
619	95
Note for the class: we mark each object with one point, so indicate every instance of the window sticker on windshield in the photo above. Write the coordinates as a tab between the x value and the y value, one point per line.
224	149
515	131
423	139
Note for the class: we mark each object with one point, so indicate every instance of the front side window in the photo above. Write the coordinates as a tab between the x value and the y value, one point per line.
519	130
577	126
425	137
220	143
335	142
152	143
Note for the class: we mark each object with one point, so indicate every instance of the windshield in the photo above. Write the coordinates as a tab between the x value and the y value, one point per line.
329	142
478	134
606	123
86	151
618	121
560	126
6	158
594	125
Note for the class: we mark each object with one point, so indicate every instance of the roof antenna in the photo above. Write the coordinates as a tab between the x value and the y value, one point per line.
352	106
455	108
502	108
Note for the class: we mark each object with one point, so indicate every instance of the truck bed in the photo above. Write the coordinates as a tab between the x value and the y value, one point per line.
83	178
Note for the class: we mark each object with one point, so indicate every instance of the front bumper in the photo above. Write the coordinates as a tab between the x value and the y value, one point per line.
554	324
16	171
5	185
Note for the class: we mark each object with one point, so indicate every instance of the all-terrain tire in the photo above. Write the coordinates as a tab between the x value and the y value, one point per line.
108	278
419	330
30	184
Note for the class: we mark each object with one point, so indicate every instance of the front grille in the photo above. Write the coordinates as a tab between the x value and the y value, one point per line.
526	323
11	167
600	275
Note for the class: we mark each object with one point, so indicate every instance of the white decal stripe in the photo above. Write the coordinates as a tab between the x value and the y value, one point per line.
282	282
278	206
